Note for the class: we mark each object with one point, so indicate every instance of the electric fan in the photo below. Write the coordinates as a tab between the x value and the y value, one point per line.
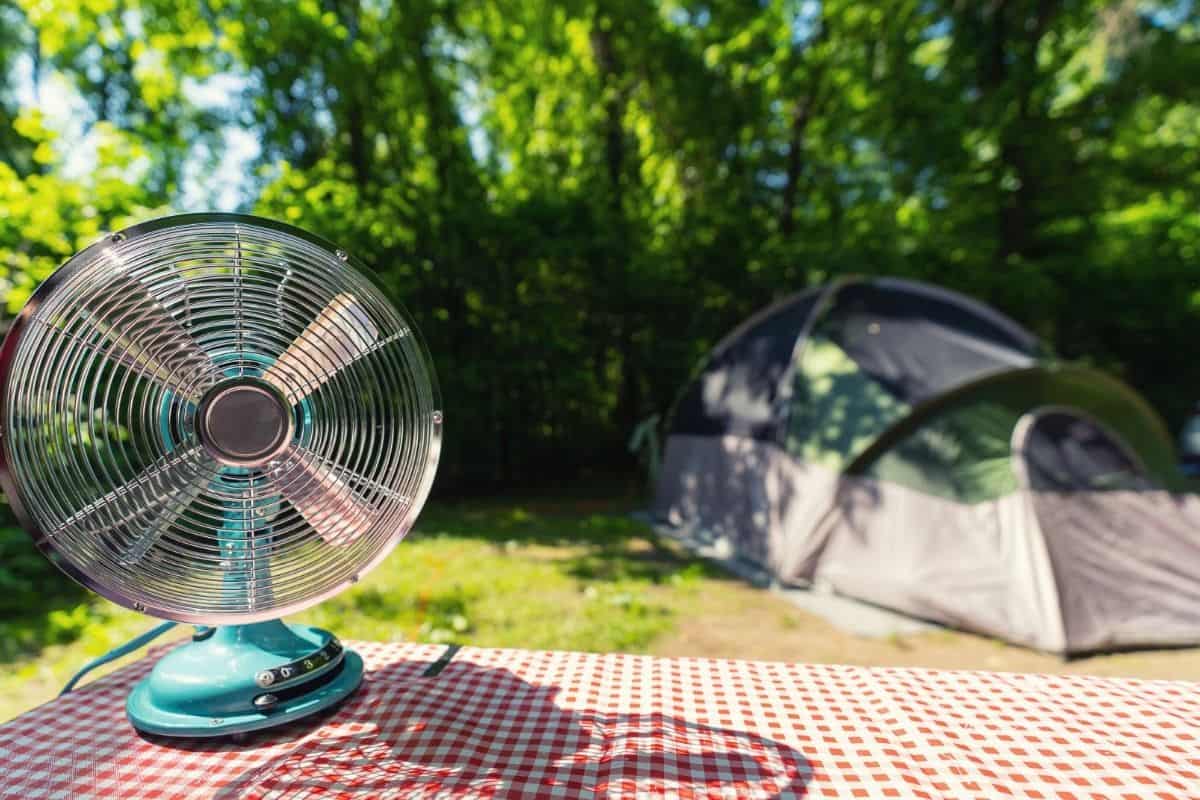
219	419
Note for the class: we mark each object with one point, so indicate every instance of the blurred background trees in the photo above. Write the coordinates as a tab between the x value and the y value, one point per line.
577	198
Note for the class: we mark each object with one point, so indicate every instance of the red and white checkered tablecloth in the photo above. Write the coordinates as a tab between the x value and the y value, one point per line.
513	723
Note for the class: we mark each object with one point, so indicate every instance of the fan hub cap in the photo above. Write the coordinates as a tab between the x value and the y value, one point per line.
244	422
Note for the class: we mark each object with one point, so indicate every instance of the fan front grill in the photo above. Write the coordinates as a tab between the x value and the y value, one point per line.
107	372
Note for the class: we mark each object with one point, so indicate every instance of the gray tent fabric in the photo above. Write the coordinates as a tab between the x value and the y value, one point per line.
1125	554
731	484
1125	567
746	494
1066	571
982	567
925	456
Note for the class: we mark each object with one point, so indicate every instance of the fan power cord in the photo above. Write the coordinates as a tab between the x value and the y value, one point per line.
112	655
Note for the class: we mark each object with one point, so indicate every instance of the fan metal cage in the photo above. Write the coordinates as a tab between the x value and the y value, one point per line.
136	373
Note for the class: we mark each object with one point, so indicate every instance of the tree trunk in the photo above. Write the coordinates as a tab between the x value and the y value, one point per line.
795	166
802	113
1018	216
359	157
609	67
614	135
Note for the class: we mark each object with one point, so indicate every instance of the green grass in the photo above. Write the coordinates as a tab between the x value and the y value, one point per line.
494	575
511	578
573	574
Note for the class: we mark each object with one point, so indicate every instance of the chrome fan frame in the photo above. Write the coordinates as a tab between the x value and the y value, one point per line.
43	539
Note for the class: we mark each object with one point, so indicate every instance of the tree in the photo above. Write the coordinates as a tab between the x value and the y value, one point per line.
577	199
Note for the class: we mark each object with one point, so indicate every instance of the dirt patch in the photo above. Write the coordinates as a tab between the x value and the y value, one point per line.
730	620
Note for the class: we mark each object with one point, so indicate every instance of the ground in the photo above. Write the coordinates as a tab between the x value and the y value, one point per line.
567	574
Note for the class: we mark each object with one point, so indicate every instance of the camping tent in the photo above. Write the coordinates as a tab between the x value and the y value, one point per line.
911	447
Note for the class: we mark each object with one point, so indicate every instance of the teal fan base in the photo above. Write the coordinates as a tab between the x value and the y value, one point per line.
218	684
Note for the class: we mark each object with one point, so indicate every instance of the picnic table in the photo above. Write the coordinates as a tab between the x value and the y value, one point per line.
516	723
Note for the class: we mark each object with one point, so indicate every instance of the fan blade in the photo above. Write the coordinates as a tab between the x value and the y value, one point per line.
341	333
325	501
147	338
158	525
161	493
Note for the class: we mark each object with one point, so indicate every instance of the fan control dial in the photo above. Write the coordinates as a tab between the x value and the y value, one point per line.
301	667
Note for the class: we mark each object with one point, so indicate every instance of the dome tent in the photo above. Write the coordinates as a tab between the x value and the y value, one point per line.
916	449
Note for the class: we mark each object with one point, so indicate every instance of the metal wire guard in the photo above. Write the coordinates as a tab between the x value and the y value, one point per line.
103	373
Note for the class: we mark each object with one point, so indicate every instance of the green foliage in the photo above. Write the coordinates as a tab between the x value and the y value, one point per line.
38	606
577	199
22	570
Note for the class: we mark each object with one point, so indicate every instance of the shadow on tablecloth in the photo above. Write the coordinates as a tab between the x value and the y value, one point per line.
485	732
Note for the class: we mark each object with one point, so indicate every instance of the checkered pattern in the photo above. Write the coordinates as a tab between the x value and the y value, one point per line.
508	723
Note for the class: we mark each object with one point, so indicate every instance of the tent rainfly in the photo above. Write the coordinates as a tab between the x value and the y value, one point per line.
913	448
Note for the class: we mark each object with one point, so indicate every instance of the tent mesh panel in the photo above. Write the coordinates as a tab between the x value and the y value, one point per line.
1065	452
919	341
837	409
963	455
880	348
962	449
